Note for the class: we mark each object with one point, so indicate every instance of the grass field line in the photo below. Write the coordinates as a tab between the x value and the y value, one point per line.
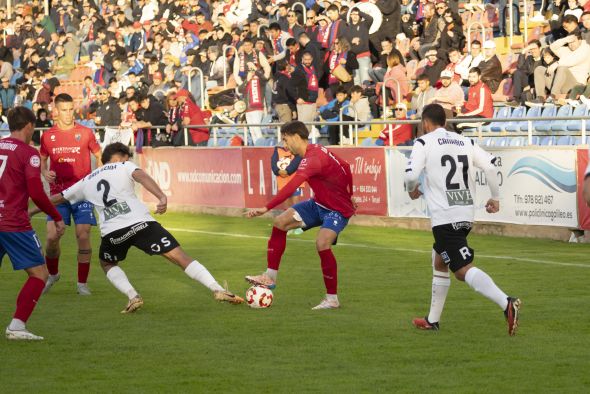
375	247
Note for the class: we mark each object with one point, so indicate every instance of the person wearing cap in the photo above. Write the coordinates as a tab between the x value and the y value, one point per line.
433	66
449	95
397	134
490	66
158	88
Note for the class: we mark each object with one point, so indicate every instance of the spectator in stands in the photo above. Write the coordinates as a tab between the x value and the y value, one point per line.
455	58
305	83
570	70
62	64
42	121
573	9
585	19
341	55
6	69
380	68
7	94
173	115
331	113
357	33
430	33
278	39
422	95
433	66
314	49
523	79
293	27
490	66
293	53
397	134
479	102
107	112
396	77
158	88
150	115
192	114
449	95
283	100
390	27
217	67
471	60
451	36
562	27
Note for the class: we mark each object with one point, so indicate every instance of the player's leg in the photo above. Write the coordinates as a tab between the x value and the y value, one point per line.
197	271
52	253
119	279
440	288
84	257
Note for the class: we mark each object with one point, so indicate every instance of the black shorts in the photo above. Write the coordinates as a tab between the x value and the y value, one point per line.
450	242
150	237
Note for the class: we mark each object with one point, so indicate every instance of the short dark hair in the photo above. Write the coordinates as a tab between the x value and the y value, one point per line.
569	18
535	42
423	77
295	127
476	42
274	26
63	98
476	70
332	7
341	89
19	118
113	149
290	42
282	65
356	89
435	114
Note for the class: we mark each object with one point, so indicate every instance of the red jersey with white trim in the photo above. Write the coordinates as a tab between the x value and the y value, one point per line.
69	154
328	176
19	162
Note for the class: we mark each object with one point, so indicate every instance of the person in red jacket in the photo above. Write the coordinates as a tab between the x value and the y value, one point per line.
400	133
192	114
331	207
479	102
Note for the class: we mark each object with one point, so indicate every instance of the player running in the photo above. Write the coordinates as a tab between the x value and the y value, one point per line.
125	221
20	178
448	161
68	145
331	181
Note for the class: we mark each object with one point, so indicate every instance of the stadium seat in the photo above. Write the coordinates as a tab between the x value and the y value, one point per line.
545	125
210	142
379	142
271	141
517	141
501	141
222	141
367	142
502	112
578	140
514	125
547	140
260	142
488	141
535	140
576	125
564	140
561	125
532	112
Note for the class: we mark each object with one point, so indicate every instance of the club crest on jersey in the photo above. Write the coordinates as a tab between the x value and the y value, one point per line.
445	257
78	136
34	161
52	138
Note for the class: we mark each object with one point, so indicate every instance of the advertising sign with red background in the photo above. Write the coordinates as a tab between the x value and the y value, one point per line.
369	178
207	177
583	210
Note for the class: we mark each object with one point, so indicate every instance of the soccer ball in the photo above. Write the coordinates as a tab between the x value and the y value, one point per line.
259	297
283	163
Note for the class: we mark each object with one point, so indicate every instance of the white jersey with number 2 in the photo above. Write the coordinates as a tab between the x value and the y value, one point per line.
449	163
111	189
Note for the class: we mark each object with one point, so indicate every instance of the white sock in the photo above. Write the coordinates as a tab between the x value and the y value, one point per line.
17	325
484	285
332	297
198	272
440	288
118	278
272	273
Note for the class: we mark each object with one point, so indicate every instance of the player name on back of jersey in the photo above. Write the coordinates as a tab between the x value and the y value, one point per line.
450	141
8	145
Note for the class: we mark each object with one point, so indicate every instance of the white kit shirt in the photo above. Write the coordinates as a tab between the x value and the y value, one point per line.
111	189
449	163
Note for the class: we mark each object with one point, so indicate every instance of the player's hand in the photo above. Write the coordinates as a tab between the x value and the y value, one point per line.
492	206
252	213
415	193
49	176
162	205
60	228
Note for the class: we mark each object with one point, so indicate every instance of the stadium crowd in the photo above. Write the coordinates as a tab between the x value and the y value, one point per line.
278	59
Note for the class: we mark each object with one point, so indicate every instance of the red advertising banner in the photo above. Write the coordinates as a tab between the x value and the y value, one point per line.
369	178
583	210
207	177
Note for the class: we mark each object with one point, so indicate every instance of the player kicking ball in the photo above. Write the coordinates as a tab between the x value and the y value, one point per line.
331	181
448	161
125	221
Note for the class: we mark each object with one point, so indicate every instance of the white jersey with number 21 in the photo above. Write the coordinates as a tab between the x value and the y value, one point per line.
111	189
449	163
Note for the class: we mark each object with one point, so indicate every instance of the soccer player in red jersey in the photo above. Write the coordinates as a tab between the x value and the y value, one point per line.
20	178
68	145
330	179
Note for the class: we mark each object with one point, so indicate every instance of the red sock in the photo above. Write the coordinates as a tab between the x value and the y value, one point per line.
276	248
52	265
27	298
330	270
83	269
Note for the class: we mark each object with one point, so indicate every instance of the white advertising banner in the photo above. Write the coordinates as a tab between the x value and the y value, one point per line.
114	134
537	186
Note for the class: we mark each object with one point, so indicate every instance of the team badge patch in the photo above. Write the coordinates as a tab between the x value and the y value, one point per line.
445	257
35	161
78	137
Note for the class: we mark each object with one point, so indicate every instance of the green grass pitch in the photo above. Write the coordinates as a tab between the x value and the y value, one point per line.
183	341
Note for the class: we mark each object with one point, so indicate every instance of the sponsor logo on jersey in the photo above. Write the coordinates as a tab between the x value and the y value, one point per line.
78	136
459	197
52	138
461	225
65	149
132	231
35	161
115	210
66	160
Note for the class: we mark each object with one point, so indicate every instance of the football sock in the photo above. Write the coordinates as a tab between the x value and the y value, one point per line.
27	298
332	297
17	325
272	273
276	248
484	285
83	270
440	288
118	278
330	271
52	265
198	272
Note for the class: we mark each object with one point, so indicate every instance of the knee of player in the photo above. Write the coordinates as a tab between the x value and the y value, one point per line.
323	244
106	266
280	223
83	235
460	274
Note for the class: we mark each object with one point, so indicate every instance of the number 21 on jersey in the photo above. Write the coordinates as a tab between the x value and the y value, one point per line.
456	194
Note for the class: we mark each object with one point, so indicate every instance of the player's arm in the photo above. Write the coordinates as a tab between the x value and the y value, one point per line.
485	162
283	194
141	177
414	168
98	156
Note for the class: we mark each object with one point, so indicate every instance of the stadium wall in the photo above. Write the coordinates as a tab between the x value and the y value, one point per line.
540	187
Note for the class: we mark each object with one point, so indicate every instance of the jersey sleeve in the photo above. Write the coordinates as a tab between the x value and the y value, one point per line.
309	166
74	193
130	167
32	165
415	165
485	161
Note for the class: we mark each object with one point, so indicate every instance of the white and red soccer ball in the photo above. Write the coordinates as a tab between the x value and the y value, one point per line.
259	297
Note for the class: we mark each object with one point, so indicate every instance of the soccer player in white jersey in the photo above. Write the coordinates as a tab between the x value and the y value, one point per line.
448	161
125	221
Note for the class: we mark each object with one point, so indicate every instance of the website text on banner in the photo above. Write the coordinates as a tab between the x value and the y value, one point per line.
200	177
583	209
538	187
